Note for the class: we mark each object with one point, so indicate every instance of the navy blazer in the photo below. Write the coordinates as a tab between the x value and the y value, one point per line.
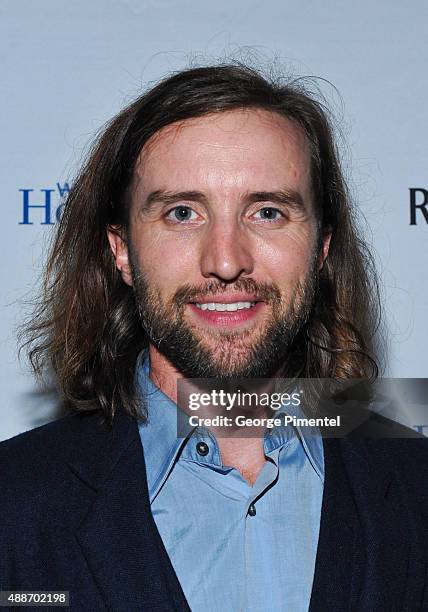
75	516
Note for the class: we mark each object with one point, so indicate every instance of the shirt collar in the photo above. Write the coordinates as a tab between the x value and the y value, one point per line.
159	433
162	447
310	438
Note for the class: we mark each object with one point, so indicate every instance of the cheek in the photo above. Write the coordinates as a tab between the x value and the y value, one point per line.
288	256
167	261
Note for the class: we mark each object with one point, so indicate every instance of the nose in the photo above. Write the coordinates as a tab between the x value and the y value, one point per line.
226	253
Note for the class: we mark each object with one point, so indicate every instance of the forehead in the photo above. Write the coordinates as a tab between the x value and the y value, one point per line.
249	149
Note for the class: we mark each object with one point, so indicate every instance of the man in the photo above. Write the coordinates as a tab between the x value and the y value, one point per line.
209	235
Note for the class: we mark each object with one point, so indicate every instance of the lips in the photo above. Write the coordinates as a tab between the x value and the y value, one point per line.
224	306
226	310
236	297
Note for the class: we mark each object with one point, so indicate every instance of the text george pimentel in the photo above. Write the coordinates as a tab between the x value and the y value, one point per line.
266	422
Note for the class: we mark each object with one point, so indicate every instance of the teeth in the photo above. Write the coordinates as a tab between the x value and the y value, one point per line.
228	307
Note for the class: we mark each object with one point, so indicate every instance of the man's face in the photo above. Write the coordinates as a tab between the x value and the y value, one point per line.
223	244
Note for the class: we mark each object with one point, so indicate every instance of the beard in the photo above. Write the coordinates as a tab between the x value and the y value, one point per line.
225	354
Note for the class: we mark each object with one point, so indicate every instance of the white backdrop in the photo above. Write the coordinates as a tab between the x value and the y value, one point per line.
69	65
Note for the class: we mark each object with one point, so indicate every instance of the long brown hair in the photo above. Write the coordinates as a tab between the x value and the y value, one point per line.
86	327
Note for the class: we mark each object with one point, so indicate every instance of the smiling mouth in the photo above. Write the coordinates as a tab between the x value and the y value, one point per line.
225	307
228	314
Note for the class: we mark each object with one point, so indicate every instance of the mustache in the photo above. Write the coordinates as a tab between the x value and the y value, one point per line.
266	292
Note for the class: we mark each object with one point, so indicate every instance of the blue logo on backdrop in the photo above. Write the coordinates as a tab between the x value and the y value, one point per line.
42	206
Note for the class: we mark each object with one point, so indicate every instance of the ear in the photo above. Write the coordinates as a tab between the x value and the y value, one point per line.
119	247
327	234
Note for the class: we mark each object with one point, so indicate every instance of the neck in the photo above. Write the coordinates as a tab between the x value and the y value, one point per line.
163	373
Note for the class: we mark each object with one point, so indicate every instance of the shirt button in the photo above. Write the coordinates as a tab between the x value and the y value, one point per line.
202	449
252	510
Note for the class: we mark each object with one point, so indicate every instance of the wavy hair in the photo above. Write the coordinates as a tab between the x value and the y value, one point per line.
86	326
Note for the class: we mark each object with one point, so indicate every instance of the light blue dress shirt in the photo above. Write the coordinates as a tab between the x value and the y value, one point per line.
234	547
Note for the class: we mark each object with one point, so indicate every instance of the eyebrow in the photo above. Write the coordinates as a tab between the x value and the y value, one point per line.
288	197
172	197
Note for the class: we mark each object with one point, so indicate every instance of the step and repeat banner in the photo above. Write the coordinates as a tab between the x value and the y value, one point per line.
67	67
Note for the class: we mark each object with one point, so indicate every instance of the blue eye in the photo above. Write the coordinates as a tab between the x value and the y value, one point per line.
182	213
268	213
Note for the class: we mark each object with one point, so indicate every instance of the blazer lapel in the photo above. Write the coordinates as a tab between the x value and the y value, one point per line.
386	525
339	556
118	536
363	552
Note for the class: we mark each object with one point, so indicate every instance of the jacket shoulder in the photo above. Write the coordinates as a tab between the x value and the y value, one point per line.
383	446
33	459
50	439
49	475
